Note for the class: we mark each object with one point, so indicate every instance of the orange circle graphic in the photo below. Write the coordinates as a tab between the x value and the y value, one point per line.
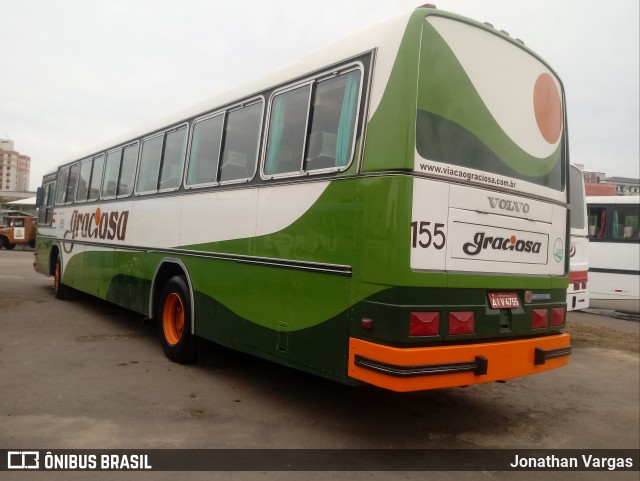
547	107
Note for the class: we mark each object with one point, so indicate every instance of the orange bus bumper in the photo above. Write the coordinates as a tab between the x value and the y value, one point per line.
421	368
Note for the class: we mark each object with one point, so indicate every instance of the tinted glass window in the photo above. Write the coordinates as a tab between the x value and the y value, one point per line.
63	179
241	139
150	164
205	151
83	183
96	177
173	159
333	122
288	124
72	184
625	223
111	173
128	171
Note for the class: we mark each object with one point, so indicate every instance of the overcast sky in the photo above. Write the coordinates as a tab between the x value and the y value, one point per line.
76	73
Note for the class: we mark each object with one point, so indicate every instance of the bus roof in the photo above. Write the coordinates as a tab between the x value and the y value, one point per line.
613	199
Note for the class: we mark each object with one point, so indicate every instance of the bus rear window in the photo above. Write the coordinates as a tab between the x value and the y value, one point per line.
487	105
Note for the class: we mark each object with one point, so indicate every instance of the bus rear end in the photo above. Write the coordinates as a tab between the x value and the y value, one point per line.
577	292
473	214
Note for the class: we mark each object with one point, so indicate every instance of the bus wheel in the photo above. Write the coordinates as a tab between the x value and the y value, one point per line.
9	246
58	286
174	310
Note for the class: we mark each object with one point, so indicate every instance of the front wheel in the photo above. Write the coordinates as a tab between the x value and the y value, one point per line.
174	312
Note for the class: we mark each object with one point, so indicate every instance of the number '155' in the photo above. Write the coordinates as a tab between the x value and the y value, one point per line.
422	235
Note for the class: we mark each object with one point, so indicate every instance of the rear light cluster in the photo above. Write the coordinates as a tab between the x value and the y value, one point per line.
540	317
579	280
428	323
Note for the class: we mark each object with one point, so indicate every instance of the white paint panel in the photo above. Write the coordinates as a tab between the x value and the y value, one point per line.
492	202
279	207
430	210
504	76
489	243
218	216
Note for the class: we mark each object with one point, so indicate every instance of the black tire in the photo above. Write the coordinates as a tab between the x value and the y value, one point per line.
173	313
59	289
9	246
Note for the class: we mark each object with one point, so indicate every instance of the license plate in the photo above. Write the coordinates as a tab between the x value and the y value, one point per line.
504	300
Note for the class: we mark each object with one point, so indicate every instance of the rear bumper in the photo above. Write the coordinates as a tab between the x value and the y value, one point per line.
421	368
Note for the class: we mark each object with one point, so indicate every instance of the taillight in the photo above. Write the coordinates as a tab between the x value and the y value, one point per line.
557	316
540	319
424	324
461	322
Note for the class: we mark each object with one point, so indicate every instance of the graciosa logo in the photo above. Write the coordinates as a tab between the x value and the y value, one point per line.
108	225
482	241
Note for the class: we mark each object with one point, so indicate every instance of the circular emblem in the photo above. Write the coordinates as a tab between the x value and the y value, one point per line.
558	250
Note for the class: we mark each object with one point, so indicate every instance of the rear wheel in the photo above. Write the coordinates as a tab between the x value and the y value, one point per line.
9	246
59	288
174	313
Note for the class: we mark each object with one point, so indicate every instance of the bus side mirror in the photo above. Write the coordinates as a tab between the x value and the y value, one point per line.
39	197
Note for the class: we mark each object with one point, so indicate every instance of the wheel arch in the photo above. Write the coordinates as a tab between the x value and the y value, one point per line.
168	268
53	254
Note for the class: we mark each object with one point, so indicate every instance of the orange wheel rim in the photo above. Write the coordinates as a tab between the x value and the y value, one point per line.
173	318
56	278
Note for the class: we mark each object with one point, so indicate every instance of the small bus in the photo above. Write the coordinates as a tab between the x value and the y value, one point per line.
391	210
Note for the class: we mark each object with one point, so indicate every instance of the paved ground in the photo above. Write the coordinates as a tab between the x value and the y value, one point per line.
84	374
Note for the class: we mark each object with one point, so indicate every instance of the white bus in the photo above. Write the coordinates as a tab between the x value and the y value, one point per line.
577	292
614	252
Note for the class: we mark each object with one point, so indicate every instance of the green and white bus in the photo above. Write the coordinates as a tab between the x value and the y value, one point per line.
390	210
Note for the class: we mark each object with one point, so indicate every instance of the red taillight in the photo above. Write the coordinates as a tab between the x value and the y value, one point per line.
424	324
557	316
540	319
579	279
461	322
366	324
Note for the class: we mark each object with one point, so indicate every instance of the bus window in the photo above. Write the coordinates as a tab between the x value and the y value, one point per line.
51	195
597	222
96	177
333	122
287	129
128	171
83	183
63	178
315	121
150	164
173	159
111	174
72	184
205	151
241	139
625	223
